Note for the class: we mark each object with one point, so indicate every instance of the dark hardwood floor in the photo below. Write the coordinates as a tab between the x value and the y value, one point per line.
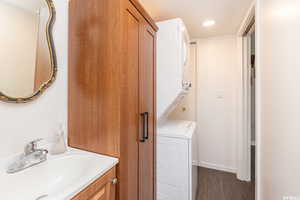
218	185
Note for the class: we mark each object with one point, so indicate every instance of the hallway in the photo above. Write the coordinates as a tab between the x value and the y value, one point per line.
218	185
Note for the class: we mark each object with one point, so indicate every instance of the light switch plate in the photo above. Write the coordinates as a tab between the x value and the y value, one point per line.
220	95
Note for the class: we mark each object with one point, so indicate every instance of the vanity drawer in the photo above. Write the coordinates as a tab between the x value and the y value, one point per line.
102	189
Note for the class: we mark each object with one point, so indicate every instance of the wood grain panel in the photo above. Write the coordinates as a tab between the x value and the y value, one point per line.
128	168
147	104
94	62
112	54
101	189
145	14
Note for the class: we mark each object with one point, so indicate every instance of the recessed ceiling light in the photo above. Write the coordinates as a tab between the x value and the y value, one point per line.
208	23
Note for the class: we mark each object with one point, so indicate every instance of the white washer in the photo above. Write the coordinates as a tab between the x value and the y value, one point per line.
176	176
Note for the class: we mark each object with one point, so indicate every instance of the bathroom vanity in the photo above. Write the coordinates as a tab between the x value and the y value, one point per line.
76	174
111	100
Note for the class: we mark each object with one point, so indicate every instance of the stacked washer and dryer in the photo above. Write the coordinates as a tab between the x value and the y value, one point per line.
176	176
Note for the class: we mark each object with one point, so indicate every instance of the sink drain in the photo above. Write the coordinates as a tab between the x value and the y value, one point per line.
41	197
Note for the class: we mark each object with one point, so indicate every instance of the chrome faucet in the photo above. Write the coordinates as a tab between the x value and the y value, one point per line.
31	156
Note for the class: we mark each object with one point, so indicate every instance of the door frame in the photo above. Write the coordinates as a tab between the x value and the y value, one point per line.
244	96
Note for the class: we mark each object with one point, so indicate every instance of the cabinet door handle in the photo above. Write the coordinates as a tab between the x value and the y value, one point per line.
145	136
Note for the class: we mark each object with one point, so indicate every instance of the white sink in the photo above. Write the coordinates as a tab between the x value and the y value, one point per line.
59	178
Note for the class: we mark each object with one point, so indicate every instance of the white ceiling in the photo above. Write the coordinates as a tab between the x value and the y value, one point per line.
228	14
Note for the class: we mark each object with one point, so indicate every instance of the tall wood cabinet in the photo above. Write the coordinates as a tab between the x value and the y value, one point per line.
138	106
112	89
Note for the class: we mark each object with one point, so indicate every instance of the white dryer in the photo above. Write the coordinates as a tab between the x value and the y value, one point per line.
172	62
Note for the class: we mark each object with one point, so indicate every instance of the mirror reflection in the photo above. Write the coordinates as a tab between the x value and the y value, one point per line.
25	52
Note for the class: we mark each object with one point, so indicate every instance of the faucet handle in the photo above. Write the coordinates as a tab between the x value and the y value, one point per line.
31	146
34	143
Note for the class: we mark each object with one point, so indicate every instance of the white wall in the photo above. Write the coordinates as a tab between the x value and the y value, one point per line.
212	101
217	102
278	100
17	75
186	110
24	122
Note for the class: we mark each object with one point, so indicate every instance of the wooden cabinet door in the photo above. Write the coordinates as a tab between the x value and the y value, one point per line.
107	192
102	189
128	167
147	152
137	161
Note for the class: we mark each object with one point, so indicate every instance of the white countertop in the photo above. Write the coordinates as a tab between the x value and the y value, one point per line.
61	177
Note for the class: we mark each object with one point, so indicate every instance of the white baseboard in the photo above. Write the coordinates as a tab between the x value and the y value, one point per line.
217	167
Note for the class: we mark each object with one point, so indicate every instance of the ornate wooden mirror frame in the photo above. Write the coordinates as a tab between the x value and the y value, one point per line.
53	62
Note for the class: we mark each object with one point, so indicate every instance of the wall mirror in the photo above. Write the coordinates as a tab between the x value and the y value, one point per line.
27	57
